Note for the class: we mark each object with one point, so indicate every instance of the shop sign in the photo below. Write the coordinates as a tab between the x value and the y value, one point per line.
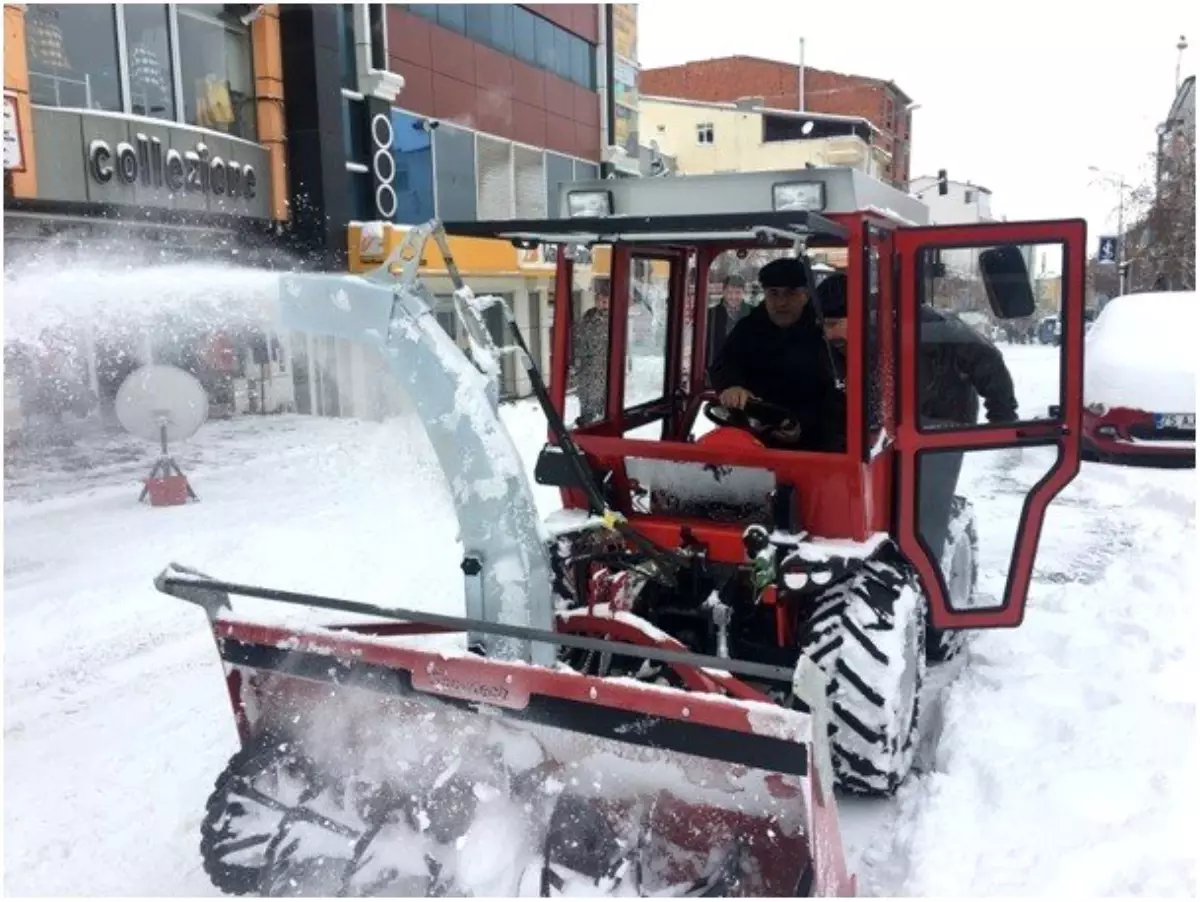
148	162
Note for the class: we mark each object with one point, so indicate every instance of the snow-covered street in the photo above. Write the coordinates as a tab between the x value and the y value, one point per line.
1065	765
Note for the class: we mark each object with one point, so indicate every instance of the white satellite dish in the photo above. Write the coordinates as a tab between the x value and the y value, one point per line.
163	404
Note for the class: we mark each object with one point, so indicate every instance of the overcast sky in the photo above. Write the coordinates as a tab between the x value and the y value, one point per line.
1021	98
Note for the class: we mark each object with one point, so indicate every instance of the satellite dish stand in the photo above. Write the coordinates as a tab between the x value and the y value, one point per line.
166	485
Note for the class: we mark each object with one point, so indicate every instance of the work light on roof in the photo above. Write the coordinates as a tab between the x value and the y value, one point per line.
790	196
589	204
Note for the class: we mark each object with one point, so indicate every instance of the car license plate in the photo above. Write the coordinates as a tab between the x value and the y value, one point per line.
1185	421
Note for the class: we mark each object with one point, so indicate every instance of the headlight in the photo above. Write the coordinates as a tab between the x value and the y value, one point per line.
798	196
590	204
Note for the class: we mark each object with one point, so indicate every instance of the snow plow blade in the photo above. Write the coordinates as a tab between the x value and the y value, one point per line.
372	767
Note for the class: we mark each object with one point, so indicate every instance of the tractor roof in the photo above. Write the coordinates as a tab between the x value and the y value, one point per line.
773	208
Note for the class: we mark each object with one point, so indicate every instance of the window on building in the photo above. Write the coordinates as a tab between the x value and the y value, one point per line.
582	68
479	22
454	173
889	114
148	44
362	201
354	142
346	52
502	26
452	16
215	66
543	35
524	35
494	176
968	197
704	133
72	56
412	148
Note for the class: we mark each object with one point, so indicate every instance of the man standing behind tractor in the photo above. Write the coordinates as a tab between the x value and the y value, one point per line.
590	356
727	314
957	367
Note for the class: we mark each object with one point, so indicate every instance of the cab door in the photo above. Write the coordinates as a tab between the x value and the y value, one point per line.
965	295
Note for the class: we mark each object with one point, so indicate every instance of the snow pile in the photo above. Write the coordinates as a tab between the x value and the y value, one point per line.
1141	353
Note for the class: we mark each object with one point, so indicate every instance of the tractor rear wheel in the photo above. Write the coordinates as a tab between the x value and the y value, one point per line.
867	634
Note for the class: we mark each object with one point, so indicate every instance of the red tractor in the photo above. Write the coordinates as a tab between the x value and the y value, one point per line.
766	615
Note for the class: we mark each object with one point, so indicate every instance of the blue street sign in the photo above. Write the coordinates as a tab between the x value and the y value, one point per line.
1108	249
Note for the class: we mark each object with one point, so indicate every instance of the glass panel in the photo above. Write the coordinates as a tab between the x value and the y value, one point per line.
545	35
72	53
559	169
479	23
454	158
452	16
346	50
413	151
646	338
967	374
215	64
151	87
427	11
975	552
354	142
502	27
362	198
562	52
581	62
524	41
589	346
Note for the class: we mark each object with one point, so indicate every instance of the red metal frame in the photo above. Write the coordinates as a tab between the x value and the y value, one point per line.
852	494
1064	431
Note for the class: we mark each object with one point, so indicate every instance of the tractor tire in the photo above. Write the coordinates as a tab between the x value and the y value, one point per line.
237	830
960	568
867	634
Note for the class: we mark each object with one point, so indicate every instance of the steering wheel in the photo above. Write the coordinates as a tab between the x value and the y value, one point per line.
759	418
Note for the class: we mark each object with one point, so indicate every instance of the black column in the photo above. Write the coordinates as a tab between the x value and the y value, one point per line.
312	82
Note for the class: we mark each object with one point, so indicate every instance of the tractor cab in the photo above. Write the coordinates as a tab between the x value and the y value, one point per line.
653	274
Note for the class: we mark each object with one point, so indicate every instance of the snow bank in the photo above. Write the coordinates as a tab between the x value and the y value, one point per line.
1141	353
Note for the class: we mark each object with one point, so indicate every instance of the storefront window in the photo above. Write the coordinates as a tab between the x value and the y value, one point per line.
72	53
215	65
147	37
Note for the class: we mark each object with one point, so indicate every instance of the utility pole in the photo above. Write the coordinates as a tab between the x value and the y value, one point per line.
800	87
1119	179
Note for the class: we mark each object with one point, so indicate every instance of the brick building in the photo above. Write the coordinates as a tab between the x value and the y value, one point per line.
728	79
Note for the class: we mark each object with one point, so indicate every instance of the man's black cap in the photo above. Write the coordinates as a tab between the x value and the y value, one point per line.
831	296
786	272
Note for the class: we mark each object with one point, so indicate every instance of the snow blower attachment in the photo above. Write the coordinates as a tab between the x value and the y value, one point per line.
534	758
371	767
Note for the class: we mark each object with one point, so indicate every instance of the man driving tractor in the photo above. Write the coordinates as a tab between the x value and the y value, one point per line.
778	354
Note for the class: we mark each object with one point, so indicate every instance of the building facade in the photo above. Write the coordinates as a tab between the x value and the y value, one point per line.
458	112
142	134
158	120
963	202
728	79
709	137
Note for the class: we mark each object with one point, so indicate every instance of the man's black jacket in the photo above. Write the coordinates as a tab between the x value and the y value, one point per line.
789	367
957	367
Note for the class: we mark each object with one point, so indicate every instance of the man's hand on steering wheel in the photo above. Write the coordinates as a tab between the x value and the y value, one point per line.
736	397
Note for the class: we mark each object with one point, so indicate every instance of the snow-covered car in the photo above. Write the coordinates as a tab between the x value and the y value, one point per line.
1139	384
